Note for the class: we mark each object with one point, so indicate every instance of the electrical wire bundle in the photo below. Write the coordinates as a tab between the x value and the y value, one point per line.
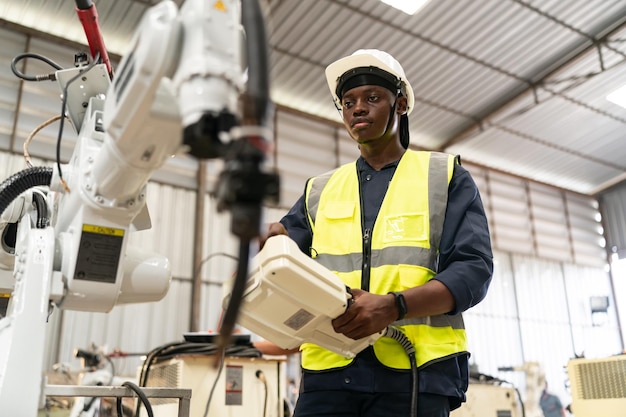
181	348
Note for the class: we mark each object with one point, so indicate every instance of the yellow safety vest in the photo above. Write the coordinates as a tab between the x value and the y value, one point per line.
404	250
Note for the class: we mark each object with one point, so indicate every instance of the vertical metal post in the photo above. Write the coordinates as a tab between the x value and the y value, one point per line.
609	259
196	279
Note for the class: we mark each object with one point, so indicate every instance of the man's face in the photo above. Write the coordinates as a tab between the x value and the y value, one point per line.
366	111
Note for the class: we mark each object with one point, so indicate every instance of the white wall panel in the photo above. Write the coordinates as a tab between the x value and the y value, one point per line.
12	45
348	148
540	290
549	344
305	148
586	230
273	214
511	227
219	247
501	298
172	212
587	282
534	219
543	314
11	164
493	325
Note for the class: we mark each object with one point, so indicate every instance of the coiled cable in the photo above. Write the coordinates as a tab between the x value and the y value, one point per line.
397	335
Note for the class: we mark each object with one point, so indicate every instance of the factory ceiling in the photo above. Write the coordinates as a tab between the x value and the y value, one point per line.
517	86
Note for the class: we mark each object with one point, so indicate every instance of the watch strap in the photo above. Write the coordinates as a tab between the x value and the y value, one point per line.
400	304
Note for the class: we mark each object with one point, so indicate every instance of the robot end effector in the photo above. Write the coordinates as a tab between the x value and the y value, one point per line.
219	119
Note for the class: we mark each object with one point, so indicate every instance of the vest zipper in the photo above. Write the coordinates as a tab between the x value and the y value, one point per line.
367	254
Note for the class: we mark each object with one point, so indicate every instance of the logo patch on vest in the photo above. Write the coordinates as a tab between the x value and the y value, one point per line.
406	227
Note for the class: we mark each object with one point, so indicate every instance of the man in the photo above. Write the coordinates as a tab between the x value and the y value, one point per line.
407	232
551	404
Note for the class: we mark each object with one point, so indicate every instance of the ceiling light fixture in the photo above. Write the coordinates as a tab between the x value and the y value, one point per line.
618	96
407	6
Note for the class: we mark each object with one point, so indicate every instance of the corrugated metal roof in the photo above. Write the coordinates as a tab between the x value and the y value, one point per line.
518	86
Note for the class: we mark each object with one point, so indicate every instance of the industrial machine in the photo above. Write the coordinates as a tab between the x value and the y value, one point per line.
64	230
535	383
486	399
598	386
242	387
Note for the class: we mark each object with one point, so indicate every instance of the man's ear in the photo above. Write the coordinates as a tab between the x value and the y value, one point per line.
401	105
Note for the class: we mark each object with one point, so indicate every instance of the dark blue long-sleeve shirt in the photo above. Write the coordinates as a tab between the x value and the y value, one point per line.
465	268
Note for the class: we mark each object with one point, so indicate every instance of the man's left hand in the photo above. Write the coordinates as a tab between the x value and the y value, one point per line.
368	314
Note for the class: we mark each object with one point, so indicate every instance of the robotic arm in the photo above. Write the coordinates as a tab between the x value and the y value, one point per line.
535	383
176	90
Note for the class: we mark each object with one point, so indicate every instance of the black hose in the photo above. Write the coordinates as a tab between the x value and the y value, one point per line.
258	88
239	285
404	341
21	181
143	399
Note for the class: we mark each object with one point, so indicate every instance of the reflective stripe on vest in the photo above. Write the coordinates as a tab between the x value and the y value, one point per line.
403	259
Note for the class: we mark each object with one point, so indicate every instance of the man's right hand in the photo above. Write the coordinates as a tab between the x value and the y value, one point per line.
274	229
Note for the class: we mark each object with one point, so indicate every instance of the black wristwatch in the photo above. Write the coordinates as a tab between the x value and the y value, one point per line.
400	304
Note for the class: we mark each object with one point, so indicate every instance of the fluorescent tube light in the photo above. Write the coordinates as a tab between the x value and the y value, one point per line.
407	6
618	96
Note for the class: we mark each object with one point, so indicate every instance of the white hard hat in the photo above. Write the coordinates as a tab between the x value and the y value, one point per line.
369	58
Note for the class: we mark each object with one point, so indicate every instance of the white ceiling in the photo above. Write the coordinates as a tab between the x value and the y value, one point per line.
517	86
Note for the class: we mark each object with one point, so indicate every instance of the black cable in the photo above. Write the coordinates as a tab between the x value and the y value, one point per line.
175	349
120	409
217	377
43	77
21	181
142	397
207	349
236	295
257	57
397	335
89	404
145	368
415	388
64	105
519	397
